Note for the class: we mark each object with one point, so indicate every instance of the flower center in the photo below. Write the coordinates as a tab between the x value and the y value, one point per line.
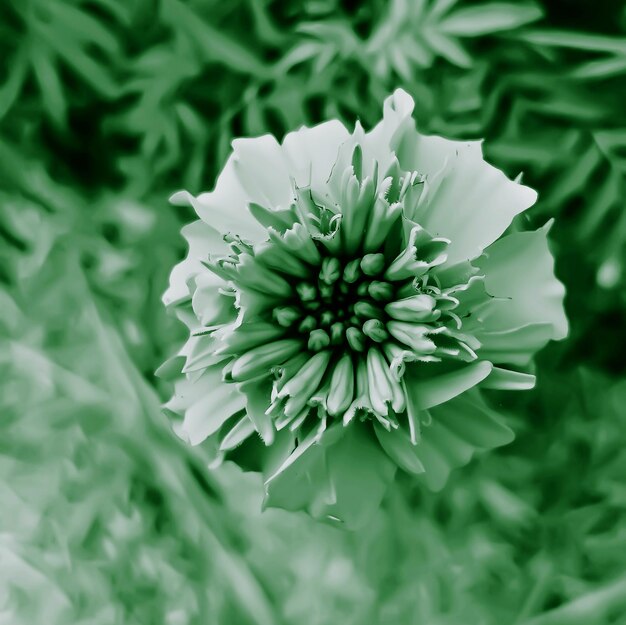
334	303
342	305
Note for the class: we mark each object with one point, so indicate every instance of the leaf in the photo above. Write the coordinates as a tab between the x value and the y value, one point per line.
214	44
49	84
575	40
612	144
489	18
604	68
447	47
71	21
11	89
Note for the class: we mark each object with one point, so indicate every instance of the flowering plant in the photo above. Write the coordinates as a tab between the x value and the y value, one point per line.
347	295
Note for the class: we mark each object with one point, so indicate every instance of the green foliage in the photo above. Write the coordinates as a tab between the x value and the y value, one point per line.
108	106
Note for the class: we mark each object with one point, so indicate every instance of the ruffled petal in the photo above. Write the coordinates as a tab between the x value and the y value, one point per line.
425	392
209	304
396	128
466	199
311	153
519	269
202	240
225	208
516	346
261	168
199	353
359	473
400	449
507	380
206	403
458	429
257	394
300	481
341	478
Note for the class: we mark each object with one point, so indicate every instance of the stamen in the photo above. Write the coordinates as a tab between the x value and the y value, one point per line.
279	259
398	356
326	318
326	292
248	335
384	216
362	289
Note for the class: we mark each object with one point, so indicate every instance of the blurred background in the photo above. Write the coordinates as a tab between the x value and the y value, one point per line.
106	108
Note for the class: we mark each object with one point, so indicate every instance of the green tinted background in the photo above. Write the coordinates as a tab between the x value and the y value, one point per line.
106	108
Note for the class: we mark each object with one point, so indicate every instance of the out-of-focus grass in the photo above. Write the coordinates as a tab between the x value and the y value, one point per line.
106	107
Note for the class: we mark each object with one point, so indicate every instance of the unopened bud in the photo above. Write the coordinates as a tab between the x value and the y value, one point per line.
352	271
336	333
341	386
372	264
356	339
308	323
318	340
286	316
380	291
330	271
306	291
375	329
263	358
367	310
418	307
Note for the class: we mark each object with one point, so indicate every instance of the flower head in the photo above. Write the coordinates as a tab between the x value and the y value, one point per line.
345	294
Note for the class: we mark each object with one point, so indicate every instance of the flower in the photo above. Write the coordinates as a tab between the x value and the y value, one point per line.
346	295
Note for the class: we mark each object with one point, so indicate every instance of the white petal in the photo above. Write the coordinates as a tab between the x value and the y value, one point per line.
520	269
240	432
467	200
400	449
209	304
505	379
202	240
207	403
311	153
226	207
459	428
301	480
382	140
425	392
261	167
360	473
515	346
340	478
